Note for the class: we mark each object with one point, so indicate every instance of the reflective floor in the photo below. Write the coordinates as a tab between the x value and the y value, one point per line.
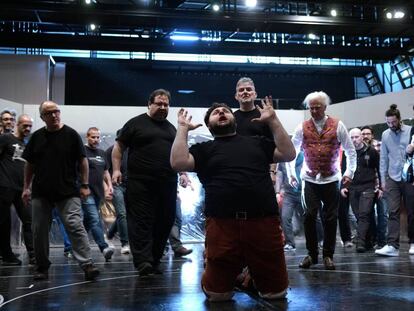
360	282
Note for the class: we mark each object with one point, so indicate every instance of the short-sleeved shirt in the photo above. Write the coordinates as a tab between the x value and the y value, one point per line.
97	166
234	171
246	127
11	162
149	142
55	157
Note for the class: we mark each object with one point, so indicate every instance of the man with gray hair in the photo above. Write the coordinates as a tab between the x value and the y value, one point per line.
364	188
321	138
7	121
54	156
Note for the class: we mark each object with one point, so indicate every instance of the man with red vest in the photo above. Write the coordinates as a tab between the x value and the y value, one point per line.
320	138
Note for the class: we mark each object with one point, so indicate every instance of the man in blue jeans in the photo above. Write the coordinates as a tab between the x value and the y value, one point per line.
118	200
98	173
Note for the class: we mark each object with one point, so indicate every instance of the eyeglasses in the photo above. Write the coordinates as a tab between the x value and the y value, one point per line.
50	113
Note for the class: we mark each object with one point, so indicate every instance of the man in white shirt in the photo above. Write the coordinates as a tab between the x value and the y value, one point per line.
321	138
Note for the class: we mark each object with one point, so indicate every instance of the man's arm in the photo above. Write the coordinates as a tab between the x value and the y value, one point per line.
117	152
383	162
84	178
350	153
180	158
107	181
284	150
291	166
27	183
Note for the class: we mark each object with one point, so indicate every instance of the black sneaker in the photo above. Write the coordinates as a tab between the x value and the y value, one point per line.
40	275
91	272
145	269
11	261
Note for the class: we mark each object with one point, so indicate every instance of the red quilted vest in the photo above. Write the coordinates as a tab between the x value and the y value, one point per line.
321	151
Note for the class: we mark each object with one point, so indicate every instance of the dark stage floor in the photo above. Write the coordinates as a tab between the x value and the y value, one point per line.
361	282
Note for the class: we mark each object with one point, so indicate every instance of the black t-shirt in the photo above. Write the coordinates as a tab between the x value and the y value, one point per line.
97	166
234	171
11	162
246	127
55	157
149	142
108	154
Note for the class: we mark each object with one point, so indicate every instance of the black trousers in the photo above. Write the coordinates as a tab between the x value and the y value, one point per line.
343	219
324	197
150	206
8	197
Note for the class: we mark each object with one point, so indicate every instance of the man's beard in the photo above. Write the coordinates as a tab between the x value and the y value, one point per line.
220	130
395	128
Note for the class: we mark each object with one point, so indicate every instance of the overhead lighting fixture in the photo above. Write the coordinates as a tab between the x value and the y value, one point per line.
92	27
388	15
184	38
250	3
312	36
398	14
186	92
334	13
216	7
88	1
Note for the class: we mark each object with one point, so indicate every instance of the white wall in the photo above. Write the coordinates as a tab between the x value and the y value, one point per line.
368	110
7	104
24	78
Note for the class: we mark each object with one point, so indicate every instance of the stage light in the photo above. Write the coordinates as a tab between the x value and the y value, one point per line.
216	7
250	3
92	27
399	14
184	38
88	1
312	36
334	13
388	15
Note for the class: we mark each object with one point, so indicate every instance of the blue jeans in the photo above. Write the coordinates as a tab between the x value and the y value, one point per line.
66	242
120	224
92	221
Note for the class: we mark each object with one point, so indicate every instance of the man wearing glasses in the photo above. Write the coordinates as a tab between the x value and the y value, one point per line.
7	121
54	154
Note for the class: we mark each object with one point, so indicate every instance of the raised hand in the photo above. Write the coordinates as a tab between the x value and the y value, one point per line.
267	112
184	119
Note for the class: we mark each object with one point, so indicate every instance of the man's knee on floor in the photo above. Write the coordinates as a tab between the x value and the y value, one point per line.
217	297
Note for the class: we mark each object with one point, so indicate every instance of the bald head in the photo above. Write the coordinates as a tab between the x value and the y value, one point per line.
50	114
356	137
24	126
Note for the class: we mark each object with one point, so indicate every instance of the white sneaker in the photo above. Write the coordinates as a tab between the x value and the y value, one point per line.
411	250
348	244
108	252
125	249
388	250
289	247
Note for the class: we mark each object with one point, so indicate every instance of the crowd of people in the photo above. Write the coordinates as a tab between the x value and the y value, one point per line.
258	182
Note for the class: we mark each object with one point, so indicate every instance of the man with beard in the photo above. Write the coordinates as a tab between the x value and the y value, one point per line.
7	121
392	157
151	192
11	186
363	189
242	217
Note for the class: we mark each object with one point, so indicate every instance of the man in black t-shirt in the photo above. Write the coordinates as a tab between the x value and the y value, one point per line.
98	174
151	192
246	96
11	185
54	155
242	217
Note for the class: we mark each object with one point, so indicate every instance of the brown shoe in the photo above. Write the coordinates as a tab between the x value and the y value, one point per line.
329	264
307	262
182	251
91	272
